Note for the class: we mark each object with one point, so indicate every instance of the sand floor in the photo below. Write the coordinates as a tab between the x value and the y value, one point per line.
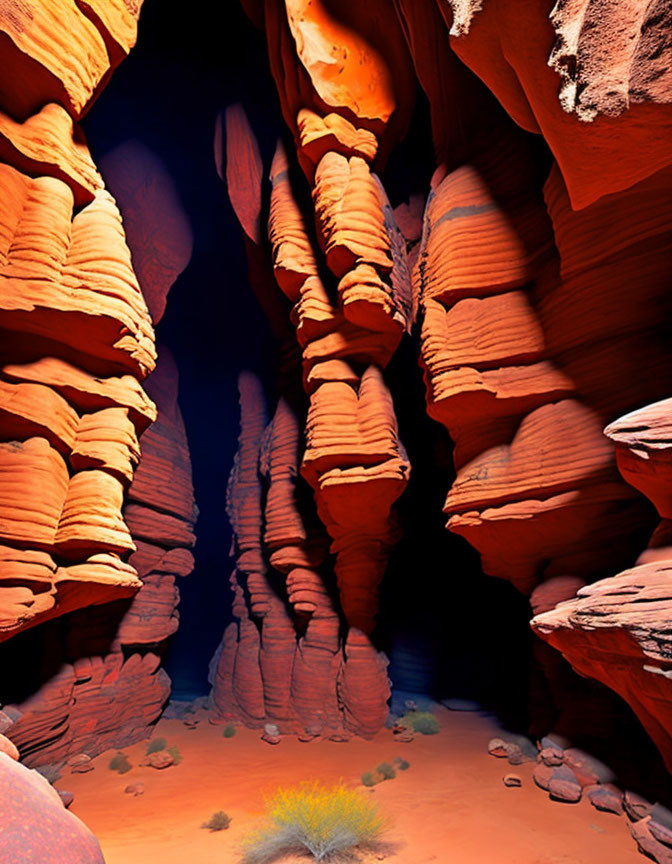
450	806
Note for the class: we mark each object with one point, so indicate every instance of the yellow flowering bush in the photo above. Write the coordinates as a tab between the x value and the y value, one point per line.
323	820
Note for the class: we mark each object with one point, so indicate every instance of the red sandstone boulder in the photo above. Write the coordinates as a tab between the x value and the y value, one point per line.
36	827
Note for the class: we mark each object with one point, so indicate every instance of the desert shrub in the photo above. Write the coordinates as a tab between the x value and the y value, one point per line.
174	751
155	745
421	721
386	770
402	764
119	763
229	731
219	821
313	818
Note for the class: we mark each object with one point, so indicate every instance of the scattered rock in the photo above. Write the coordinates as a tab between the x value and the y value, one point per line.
551	756
498	747
162	759
81	764
512	780
66	797
660	825
542	775
135	789
587	769
635	806
403	735
607	798
563	785
647	843
339	737
517	756
271	734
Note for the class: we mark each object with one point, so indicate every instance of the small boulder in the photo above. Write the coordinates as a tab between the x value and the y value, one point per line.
81	764
607	798
587	769
35	824
498	747
66	797
551	756
563	785
135	789
647	843
660	825
512	780
635	806
542	775
162	759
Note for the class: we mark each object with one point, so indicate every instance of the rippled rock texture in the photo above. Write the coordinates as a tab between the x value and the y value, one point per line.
538	276
98	511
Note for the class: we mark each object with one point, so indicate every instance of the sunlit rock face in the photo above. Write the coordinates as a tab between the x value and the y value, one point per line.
537	278
82	526
531	277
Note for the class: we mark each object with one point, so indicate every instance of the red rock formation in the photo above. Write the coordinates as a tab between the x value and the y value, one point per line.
73	320
616	629
77	342
584	62
356	473
290	669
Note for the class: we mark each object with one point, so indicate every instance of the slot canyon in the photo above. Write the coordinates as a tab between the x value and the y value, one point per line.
335	431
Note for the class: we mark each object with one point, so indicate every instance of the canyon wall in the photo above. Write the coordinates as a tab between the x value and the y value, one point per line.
98	504
532	275
540	282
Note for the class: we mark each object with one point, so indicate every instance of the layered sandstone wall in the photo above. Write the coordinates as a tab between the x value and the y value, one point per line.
541	276
99	511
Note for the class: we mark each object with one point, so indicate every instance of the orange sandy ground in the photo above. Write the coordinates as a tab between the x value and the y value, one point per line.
450	806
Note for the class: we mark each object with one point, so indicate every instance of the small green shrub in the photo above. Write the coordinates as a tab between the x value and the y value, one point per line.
174	751
386	770
119	763
324	821
219	821
229	731
402	764
155	745
421	721
370	778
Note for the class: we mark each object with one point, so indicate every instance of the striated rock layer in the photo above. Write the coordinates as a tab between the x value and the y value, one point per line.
617	629
98	513
352	300
77	336
543	297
